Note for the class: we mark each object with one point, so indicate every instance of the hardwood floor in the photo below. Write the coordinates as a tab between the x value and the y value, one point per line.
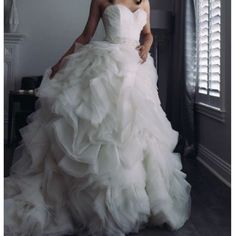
211	203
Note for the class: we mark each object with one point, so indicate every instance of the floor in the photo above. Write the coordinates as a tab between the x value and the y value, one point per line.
211	203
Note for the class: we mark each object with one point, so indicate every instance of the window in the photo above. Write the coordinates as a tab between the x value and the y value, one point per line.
209	52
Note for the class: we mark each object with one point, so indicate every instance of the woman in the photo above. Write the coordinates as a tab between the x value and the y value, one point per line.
96	10
97	157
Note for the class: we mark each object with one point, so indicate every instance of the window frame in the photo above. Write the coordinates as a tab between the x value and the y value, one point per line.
207	104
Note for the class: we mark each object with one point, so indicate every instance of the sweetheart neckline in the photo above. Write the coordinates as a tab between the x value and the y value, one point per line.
119	4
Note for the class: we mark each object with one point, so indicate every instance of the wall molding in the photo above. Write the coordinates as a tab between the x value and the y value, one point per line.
210	111
215	164
14	38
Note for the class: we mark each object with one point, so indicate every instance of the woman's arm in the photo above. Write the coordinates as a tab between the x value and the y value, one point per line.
86	36
147	37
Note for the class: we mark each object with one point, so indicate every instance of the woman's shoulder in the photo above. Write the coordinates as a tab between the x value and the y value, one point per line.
101	3
146	5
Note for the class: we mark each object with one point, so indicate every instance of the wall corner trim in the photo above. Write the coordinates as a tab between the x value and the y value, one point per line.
215	164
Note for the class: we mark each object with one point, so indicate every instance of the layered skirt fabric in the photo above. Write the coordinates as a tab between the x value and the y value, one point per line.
97	155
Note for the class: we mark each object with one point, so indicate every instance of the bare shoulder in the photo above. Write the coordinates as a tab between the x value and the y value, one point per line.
98	5
101	3
97	2
146	5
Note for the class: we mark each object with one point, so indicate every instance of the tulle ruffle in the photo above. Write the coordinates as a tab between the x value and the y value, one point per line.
98	152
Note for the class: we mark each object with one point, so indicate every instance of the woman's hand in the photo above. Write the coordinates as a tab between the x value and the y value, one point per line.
54	69
143	52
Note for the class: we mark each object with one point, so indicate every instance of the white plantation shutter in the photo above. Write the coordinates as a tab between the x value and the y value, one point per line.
209	49
203	42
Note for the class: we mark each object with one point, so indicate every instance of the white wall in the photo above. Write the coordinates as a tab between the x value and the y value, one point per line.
51	26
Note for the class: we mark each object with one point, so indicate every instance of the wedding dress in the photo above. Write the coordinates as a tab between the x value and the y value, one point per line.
97	155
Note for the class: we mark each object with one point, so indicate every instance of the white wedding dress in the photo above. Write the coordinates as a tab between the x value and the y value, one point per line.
97	155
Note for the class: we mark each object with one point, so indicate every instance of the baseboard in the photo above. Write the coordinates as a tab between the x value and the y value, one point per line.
215	164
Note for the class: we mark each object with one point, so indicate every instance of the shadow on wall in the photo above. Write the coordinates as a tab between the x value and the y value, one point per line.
166	5
164	50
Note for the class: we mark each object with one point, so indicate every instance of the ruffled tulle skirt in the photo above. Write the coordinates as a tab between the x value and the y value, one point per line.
97	155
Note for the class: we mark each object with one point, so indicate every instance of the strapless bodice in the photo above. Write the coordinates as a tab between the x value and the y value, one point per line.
122	25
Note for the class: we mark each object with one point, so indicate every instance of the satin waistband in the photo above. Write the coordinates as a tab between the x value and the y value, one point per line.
124	41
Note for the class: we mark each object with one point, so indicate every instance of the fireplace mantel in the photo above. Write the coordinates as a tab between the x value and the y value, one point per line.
13	38
11	60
